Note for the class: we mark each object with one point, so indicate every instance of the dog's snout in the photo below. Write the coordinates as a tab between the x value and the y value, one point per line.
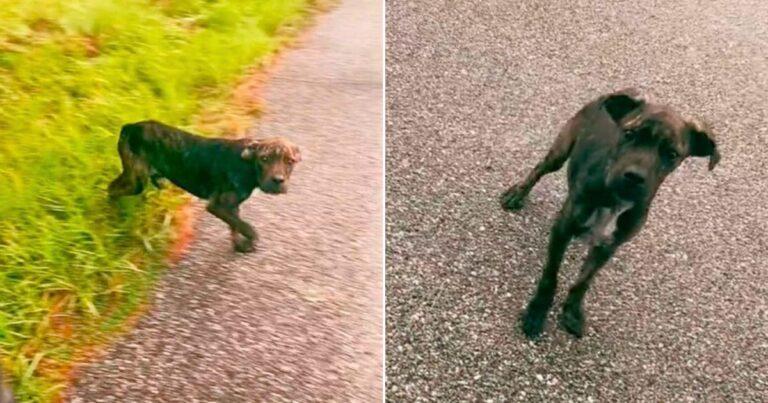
278	179
634	177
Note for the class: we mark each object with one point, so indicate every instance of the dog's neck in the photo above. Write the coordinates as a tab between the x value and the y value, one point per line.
602	223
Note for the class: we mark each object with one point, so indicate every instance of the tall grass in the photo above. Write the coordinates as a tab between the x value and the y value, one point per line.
73	266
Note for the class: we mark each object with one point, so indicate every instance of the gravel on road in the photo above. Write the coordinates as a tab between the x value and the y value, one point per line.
300	318
476	92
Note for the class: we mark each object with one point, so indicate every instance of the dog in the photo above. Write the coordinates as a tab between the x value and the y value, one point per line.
223	171
621	148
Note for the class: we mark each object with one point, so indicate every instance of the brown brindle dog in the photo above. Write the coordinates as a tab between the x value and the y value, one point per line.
621	148
223	171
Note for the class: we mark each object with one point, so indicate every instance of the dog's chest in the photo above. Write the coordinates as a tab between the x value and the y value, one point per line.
601	225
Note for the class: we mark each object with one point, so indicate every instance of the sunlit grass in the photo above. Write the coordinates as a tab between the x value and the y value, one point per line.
72	266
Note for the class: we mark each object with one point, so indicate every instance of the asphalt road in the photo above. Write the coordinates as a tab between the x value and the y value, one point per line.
476	92
299	319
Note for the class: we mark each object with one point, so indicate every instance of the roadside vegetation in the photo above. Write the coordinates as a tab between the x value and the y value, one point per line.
73	267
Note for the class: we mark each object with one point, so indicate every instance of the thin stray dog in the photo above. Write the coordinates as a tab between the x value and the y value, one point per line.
621	148
223	171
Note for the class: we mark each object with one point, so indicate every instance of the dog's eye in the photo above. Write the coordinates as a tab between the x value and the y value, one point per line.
265	158
669	154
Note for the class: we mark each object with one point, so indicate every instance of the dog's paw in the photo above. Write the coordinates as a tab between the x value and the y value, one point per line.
512	199
532	323
572	320
244	246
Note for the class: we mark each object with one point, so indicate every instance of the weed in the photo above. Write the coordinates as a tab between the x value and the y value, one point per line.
72	265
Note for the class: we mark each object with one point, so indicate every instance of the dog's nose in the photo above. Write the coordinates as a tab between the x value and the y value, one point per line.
634	177
278	179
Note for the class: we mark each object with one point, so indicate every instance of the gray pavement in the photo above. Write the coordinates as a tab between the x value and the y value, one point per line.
299	319
476	92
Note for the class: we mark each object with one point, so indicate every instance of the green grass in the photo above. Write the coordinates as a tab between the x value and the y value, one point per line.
73	266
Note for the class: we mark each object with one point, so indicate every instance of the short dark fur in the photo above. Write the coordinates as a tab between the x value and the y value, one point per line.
621	148
223	171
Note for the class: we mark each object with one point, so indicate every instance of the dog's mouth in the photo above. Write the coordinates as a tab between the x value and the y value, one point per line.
274	188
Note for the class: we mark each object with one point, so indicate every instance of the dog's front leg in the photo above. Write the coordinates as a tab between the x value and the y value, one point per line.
512	198
241	242
572	318
628	225
535	314
225	207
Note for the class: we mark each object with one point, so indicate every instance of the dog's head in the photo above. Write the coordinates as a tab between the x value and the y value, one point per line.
653	141
275	158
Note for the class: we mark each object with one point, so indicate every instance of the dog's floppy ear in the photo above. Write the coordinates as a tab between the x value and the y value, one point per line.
295	154
251	150
622	103
701	142
247	153
271	146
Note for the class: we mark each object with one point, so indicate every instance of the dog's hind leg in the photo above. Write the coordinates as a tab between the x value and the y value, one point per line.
120	186
130	182
535	313
513	197
134	176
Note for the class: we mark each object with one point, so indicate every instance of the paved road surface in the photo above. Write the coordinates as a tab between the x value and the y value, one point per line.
476	91
300	319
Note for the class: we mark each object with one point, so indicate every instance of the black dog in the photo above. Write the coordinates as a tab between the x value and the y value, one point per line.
621	149
223	171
